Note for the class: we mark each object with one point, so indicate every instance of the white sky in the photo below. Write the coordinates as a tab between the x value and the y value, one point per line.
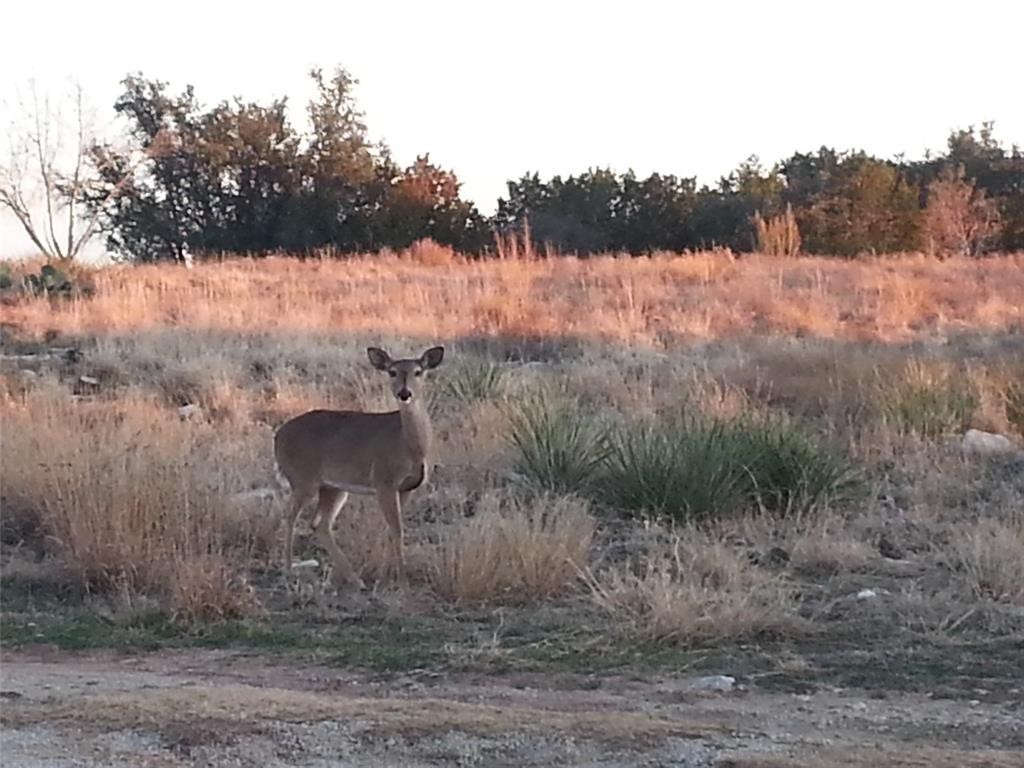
494	90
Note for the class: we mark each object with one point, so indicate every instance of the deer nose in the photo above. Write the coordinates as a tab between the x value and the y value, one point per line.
404	395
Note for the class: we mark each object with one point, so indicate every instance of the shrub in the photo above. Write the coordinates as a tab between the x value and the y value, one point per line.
695	588
558	448
476	380
779	235
513	549
208	588
125	497
991	556
792	470
928	401
1013	403
6	277
696	467
683	468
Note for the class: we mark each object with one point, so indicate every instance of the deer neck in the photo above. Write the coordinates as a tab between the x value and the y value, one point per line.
416	431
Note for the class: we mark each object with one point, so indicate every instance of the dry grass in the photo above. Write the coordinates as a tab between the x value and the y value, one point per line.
876	353
990	554
510	549
646	301
129	496
208	588
692	587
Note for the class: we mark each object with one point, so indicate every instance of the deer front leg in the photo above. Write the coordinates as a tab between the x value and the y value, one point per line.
331	502
390	503
295	504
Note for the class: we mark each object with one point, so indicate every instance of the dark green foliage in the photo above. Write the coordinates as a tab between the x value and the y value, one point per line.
697	467
6	277
240	177
600	211
849	203
795	471
50	281
558	448
685	468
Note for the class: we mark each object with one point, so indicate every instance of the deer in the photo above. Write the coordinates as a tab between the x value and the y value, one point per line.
330	454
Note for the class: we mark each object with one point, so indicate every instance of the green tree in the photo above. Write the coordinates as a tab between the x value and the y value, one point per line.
165	203
424	201
846	204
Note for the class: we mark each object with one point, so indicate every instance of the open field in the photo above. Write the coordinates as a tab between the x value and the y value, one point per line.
823	536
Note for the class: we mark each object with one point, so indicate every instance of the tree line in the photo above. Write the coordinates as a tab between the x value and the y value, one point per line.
240	177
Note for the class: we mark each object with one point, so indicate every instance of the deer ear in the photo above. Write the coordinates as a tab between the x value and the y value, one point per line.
379	359
432	357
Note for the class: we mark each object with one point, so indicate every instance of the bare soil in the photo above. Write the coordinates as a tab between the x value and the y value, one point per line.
230	708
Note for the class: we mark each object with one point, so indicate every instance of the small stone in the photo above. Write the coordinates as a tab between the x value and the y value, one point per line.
866	594
188	411
713	683
254	496
91	381
980	443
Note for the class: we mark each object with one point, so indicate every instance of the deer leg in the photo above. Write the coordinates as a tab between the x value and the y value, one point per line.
295	504
330	504
390	502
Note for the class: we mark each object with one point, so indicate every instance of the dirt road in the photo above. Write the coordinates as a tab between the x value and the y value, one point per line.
207	708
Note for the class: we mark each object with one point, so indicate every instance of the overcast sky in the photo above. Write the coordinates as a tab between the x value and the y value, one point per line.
493	90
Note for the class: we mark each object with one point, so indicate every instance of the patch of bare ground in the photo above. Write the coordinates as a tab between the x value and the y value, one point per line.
183	708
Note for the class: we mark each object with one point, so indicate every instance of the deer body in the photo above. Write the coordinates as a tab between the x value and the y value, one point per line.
330	454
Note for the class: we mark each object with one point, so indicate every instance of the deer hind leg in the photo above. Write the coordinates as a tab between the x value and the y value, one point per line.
390	502
295	504
330	504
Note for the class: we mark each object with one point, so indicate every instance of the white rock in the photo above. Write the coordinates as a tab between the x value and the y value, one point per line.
981	443
866	594
92	381
188	411
257	494
305	564
713	683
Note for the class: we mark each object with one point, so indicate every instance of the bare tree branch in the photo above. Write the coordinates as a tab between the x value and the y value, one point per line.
32	181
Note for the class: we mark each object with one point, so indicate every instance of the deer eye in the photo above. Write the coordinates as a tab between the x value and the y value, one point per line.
392	373
417	372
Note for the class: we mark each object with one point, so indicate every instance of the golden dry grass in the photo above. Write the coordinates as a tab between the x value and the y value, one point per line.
130	494
646	301
692	586
514	549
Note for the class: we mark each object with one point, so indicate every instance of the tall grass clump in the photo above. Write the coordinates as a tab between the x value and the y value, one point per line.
126	496
990	555
793	470
928	401
476	380
558	448
682	468
694	588
514	549
696	467
778	235
1012	396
